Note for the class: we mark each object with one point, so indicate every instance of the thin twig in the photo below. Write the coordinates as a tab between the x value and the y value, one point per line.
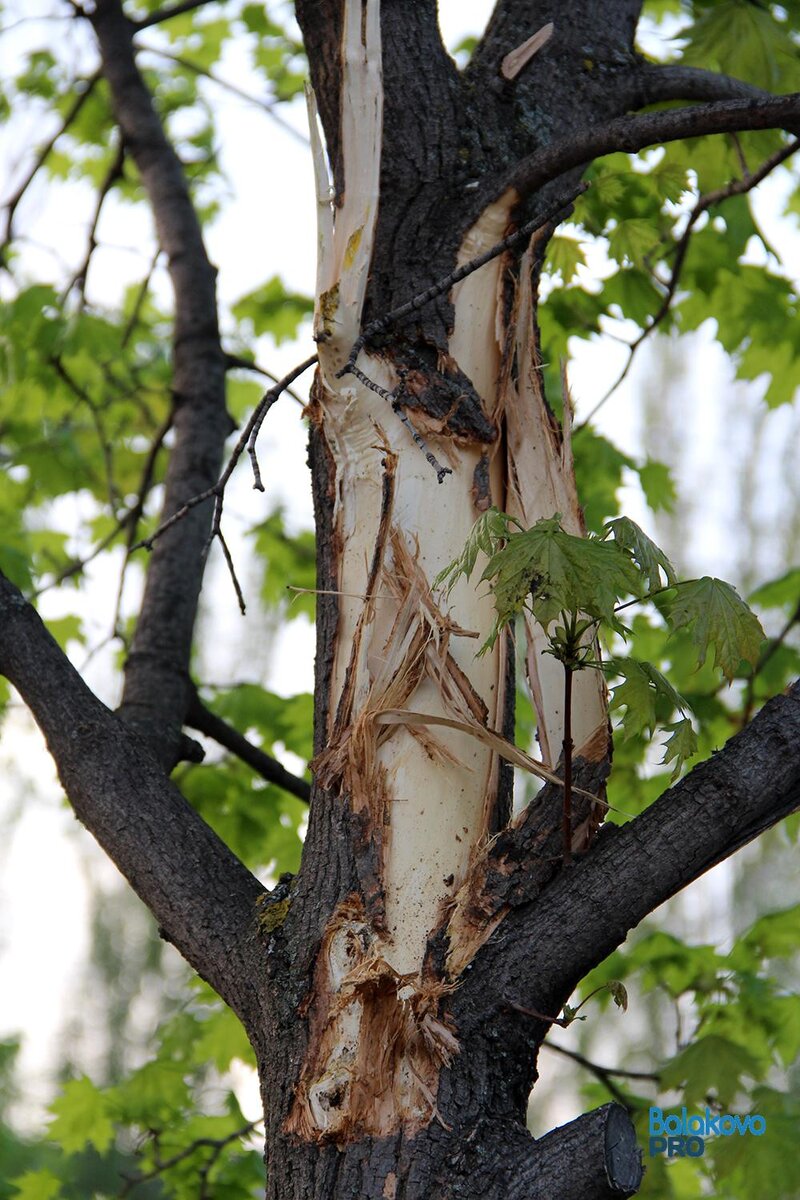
645	1076
267	106
138	303
772	646
217	1145
218	490
237	587
201	718
105	446
736	187
166	14
449	281
136	514
604	1074
42	155
235	362
113	174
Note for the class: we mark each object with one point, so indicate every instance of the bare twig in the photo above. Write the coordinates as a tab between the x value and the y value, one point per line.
170	11
216	1145
449	281
41	157
644	1076
105	446
606	1075
246	441
204	721
772	646
112	175
138	303
136	514
235	363
737	187
268	106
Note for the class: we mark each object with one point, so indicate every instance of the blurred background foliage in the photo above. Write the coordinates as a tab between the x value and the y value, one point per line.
154	1094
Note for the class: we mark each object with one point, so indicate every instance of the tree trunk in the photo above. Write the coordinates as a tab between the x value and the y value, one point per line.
402	880
397	991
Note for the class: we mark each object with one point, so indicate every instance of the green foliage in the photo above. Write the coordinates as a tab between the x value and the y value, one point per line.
581	581
717	617
290	566
84	399
37	1185
744	1024
271	309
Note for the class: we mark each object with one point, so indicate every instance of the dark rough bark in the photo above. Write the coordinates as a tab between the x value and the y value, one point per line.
157	685
201	895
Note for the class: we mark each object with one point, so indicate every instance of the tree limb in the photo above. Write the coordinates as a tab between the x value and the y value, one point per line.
594	1157
737	187
653	84
204	721
168	12
202	896
42	155
156	688
587	911
634	133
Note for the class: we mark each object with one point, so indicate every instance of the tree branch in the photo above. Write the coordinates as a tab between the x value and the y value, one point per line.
201	894
737	187
114	173
594	1157
41	157
634	133
157	682
654	84
204	721
547	946
167	13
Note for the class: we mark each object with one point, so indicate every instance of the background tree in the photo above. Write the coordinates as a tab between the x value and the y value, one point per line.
397	989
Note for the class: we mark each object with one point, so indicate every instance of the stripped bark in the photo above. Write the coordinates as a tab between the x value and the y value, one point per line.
158	689
391	990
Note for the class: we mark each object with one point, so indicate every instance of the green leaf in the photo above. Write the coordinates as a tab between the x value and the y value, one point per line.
222	1038
775	935
653	563
561	573
598	470
644	686
272	309
717	617
680	745
710	1064
657	485
564	256
290	562
488	534
82	1117
779	593
36	1185
632	240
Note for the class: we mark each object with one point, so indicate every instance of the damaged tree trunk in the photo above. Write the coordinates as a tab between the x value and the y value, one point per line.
435	420
397	992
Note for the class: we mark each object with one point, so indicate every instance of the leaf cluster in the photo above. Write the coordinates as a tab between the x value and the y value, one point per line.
576	589
745	1033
